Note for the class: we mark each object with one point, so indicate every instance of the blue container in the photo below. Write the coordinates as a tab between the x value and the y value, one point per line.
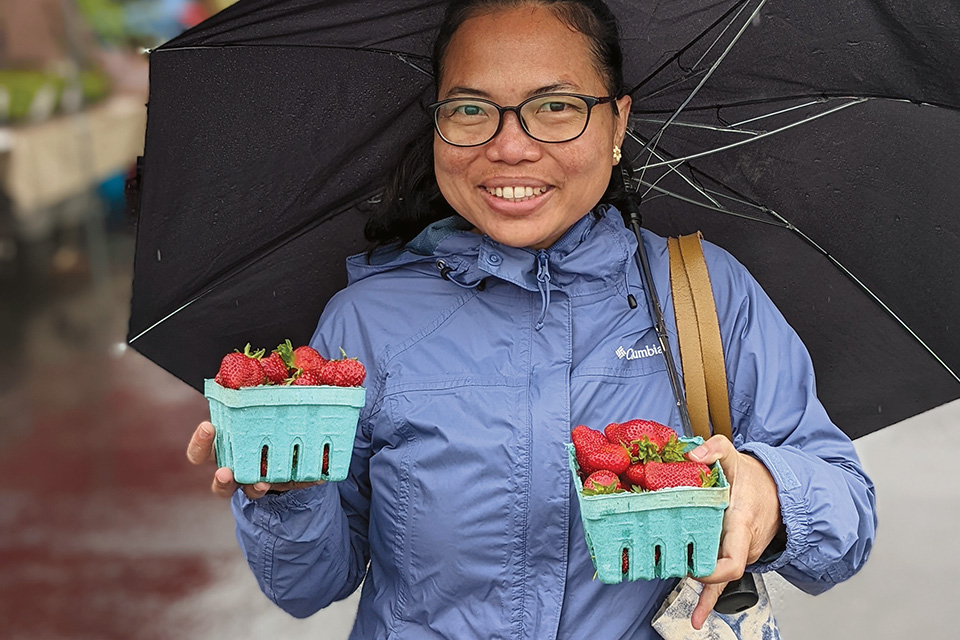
670	533
285	429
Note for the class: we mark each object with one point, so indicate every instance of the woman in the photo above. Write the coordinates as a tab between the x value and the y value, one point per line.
490	333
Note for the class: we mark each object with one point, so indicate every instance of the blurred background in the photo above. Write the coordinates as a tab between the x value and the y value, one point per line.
105	531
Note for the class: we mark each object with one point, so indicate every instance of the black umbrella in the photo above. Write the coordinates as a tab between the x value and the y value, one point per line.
271	128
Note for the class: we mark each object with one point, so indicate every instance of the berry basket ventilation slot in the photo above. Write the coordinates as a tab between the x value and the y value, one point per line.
284	433
669	533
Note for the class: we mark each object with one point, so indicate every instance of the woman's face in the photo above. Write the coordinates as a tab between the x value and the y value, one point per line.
508	56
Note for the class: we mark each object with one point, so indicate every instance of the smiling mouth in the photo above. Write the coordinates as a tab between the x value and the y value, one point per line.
516	194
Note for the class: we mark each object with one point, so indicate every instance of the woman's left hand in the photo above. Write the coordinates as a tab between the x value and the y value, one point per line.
750	522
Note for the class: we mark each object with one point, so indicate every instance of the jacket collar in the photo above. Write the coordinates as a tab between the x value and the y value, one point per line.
592	255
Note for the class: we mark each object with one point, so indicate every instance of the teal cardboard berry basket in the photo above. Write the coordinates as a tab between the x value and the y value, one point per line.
670	533
280	433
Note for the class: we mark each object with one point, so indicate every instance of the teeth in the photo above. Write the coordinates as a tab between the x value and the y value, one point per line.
516	193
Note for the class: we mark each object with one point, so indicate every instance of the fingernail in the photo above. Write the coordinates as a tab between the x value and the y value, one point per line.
262	487
205	427
698	453
219	475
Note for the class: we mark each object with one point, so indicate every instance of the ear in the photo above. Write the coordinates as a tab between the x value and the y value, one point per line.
623	116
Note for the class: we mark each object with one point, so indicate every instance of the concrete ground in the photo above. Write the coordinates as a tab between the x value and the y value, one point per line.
107	533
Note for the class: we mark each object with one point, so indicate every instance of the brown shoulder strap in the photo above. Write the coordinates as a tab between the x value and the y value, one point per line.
701	351
688	333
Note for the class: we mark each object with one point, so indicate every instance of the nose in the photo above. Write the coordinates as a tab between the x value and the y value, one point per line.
512	144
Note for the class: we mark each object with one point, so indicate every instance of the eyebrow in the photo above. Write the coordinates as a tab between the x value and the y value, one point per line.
550	88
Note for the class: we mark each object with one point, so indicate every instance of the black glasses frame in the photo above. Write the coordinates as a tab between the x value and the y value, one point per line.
591	101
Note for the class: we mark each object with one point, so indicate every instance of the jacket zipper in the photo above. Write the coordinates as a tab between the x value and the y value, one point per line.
543	284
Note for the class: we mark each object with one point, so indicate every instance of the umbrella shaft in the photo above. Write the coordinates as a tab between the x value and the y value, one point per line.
653	301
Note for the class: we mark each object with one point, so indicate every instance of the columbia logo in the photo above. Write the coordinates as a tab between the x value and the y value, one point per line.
633	354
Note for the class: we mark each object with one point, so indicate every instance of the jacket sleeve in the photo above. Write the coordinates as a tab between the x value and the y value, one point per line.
308	548
827	502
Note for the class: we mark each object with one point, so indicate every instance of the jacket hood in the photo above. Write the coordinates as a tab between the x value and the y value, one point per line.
592	254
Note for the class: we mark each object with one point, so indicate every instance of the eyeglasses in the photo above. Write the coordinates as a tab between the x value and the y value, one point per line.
548	117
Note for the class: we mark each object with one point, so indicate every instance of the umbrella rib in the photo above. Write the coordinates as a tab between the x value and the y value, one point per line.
698	125
786	224
249	261
676	56
156	324
718	208
821	96
673	169
403	57
736	126
779	112
854	101
869	292
707	75
670	85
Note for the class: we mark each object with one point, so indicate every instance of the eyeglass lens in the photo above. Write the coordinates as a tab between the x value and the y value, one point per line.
547	118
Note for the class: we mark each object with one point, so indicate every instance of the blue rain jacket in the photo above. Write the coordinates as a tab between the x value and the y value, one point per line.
459	514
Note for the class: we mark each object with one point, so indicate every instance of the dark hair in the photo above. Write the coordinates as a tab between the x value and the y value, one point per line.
412	199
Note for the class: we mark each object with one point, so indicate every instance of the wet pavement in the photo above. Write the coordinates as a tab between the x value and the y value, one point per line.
106	532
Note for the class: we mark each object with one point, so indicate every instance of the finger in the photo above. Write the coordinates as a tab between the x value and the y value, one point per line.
257	490
716	448
731	564
223	483
708	598
200	449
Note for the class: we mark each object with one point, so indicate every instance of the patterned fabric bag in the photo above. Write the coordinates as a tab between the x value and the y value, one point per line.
672	621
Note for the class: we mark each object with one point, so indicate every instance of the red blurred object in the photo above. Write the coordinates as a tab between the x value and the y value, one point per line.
193	13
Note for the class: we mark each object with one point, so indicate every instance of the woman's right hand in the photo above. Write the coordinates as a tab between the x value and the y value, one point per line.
200	451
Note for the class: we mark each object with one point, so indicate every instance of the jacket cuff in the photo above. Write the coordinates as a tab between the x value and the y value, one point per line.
279	503
794	511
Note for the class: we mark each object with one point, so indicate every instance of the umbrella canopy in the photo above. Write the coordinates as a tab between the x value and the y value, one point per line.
272	125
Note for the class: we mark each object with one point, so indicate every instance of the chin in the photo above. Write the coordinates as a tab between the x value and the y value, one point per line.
518	234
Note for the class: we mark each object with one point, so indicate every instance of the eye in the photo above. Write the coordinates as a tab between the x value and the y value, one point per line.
463	111
554	106
469	110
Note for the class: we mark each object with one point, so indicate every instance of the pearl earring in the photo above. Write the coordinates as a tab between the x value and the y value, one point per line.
616	154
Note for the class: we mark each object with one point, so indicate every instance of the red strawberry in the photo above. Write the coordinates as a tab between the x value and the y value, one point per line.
307	378
308	359
624	562
586	442
648	440
610	431
305	357
602	481
612	457
346	372
241	369
634	475
275	368
663	475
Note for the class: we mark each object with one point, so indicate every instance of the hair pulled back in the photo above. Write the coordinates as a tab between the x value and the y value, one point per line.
412	200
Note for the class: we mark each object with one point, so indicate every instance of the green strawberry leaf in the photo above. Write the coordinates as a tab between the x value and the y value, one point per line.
286	352
646	451
711	480
672	451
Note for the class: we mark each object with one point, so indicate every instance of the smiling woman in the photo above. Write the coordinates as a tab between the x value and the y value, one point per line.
494	318
536	53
